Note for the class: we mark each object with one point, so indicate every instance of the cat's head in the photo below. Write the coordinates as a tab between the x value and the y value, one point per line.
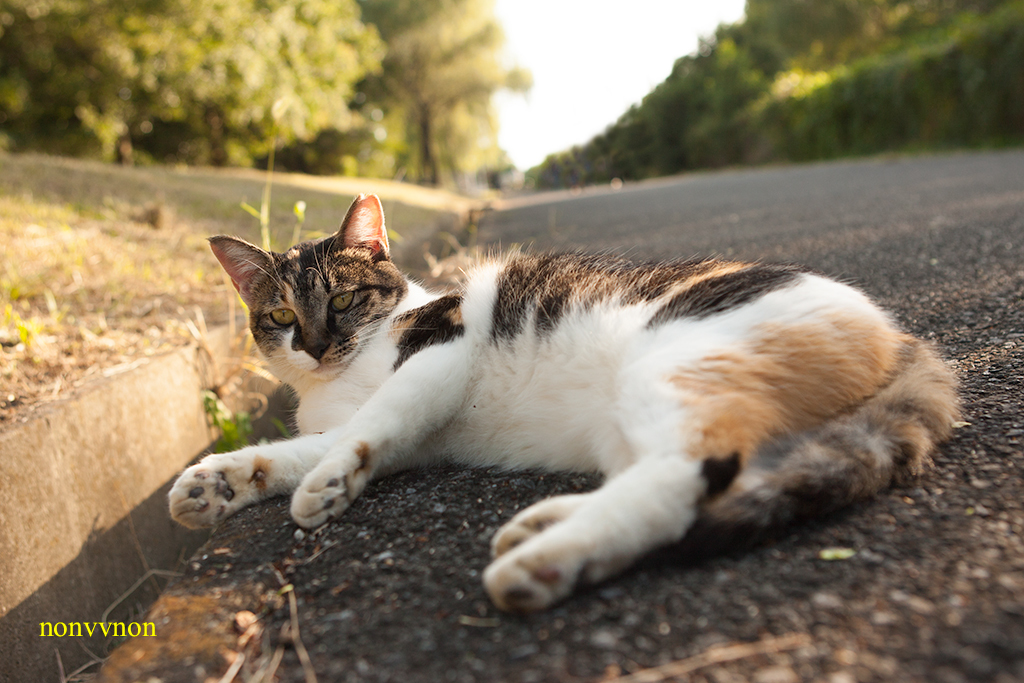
313	307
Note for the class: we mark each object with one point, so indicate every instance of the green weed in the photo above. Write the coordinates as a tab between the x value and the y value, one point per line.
235	428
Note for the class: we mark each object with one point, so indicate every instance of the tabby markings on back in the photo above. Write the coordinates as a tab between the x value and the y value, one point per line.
721	401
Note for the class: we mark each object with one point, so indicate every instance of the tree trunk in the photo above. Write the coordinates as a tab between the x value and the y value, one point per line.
428	162
125	151
215	121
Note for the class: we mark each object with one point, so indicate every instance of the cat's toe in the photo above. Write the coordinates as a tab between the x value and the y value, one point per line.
316	501
532	521
217	487
200	497
519	530
528	583
328	490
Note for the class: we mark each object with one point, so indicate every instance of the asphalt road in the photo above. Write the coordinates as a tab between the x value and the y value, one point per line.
933	589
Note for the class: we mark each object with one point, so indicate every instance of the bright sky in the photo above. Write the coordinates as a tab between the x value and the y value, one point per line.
591	60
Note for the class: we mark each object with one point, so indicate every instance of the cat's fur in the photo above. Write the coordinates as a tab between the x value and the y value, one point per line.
721	399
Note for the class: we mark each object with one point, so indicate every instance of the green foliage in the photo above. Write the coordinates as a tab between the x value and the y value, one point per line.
964	89
231	81
809	79
185	80
26	330
235	428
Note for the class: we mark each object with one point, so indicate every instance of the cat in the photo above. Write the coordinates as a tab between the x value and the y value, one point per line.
721	401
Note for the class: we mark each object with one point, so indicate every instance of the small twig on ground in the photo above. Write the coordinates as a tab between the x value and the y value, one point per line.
268	673
300	649
715	655
142	579
93	661
318	553
233	670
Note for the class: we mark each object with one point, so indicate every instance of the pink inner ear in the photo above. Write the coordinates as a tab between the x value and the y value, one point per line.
241	262
364	225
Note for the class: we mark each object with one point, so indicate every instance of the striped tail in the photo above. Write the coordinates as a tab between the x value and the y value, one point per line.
886	440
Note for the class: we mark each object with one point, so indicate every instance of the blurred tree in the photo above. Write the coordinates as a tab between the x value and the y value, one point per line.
441	68
820	34
212	81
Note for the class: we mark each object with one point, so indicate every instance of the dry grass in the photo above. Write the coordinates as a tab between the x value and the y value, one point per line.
81	296
101	266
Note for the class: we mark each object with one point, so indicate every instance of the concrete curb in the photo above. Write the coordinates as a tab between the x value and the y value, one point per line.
83	514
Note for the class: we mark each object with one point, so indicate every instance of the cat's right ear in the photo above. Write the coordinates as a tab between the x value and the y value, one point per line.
363	227
243	262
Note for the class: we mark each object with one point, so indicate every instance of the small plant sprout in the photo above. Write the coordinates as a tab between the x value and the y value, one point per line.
277	111
300	217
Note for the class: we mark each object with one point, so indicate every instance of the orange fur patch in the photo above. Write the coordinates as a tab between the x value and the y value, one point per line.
454	315
788	379
400	325
717	270
363	453
260	472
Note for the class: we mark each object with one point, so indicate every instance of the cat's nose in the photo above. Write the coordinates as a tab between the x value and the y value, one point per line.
317	348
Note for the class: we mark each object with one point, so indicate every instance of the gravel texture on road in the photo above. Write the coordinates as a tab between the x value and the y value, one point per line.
924	583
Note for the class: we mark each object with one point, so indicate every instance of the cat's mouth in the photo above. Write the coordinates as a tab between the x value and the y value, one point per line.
327	368
304	363
324	368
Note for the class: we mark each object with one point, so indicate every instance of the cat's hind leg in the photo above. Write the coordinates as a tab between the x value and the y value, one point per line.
223	483
650	504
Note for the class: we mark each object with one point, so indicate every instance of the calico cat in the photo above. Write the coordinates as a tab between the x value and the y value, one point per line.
721	401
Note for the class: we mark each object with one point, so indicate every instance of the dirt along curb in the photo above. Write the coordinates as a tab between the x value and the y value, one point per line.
83	520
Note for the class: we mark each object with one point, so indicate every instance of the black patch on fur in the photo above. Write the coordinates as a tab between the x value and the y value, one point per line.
547	286
515	294
719	473
721	293
434	323
798	486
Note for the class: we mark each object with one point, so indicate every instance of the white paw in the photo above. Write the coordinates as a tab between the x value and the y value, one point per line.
328	490
218	487
539	555
545	551
535	575
533	520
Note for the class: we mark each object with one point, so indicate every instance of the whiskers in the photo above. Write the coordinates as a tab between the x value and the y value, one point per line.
271	274
368	330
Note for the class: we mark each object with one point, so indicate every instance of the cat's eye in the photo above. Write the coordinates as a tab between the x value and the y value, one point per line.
283	316
342	301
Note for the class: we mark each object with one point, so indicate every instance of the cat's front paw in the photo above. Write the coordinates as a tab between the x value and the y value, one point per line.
328	490
217	487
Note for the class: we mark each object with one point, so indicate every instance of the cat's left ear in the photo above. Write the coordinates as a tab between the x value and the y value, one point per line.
363	227
245	263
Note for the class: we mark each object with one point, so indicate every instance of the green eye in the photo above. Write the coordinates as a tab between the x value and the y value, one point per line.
342	301
283	316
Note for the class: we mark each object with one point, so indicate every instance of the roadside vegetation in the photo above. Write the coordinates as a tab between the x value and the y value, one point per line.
798	80
370	88
102	265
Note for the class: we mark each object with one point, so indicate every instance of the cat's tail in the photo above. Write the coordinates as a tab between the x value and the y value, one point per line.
885	441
